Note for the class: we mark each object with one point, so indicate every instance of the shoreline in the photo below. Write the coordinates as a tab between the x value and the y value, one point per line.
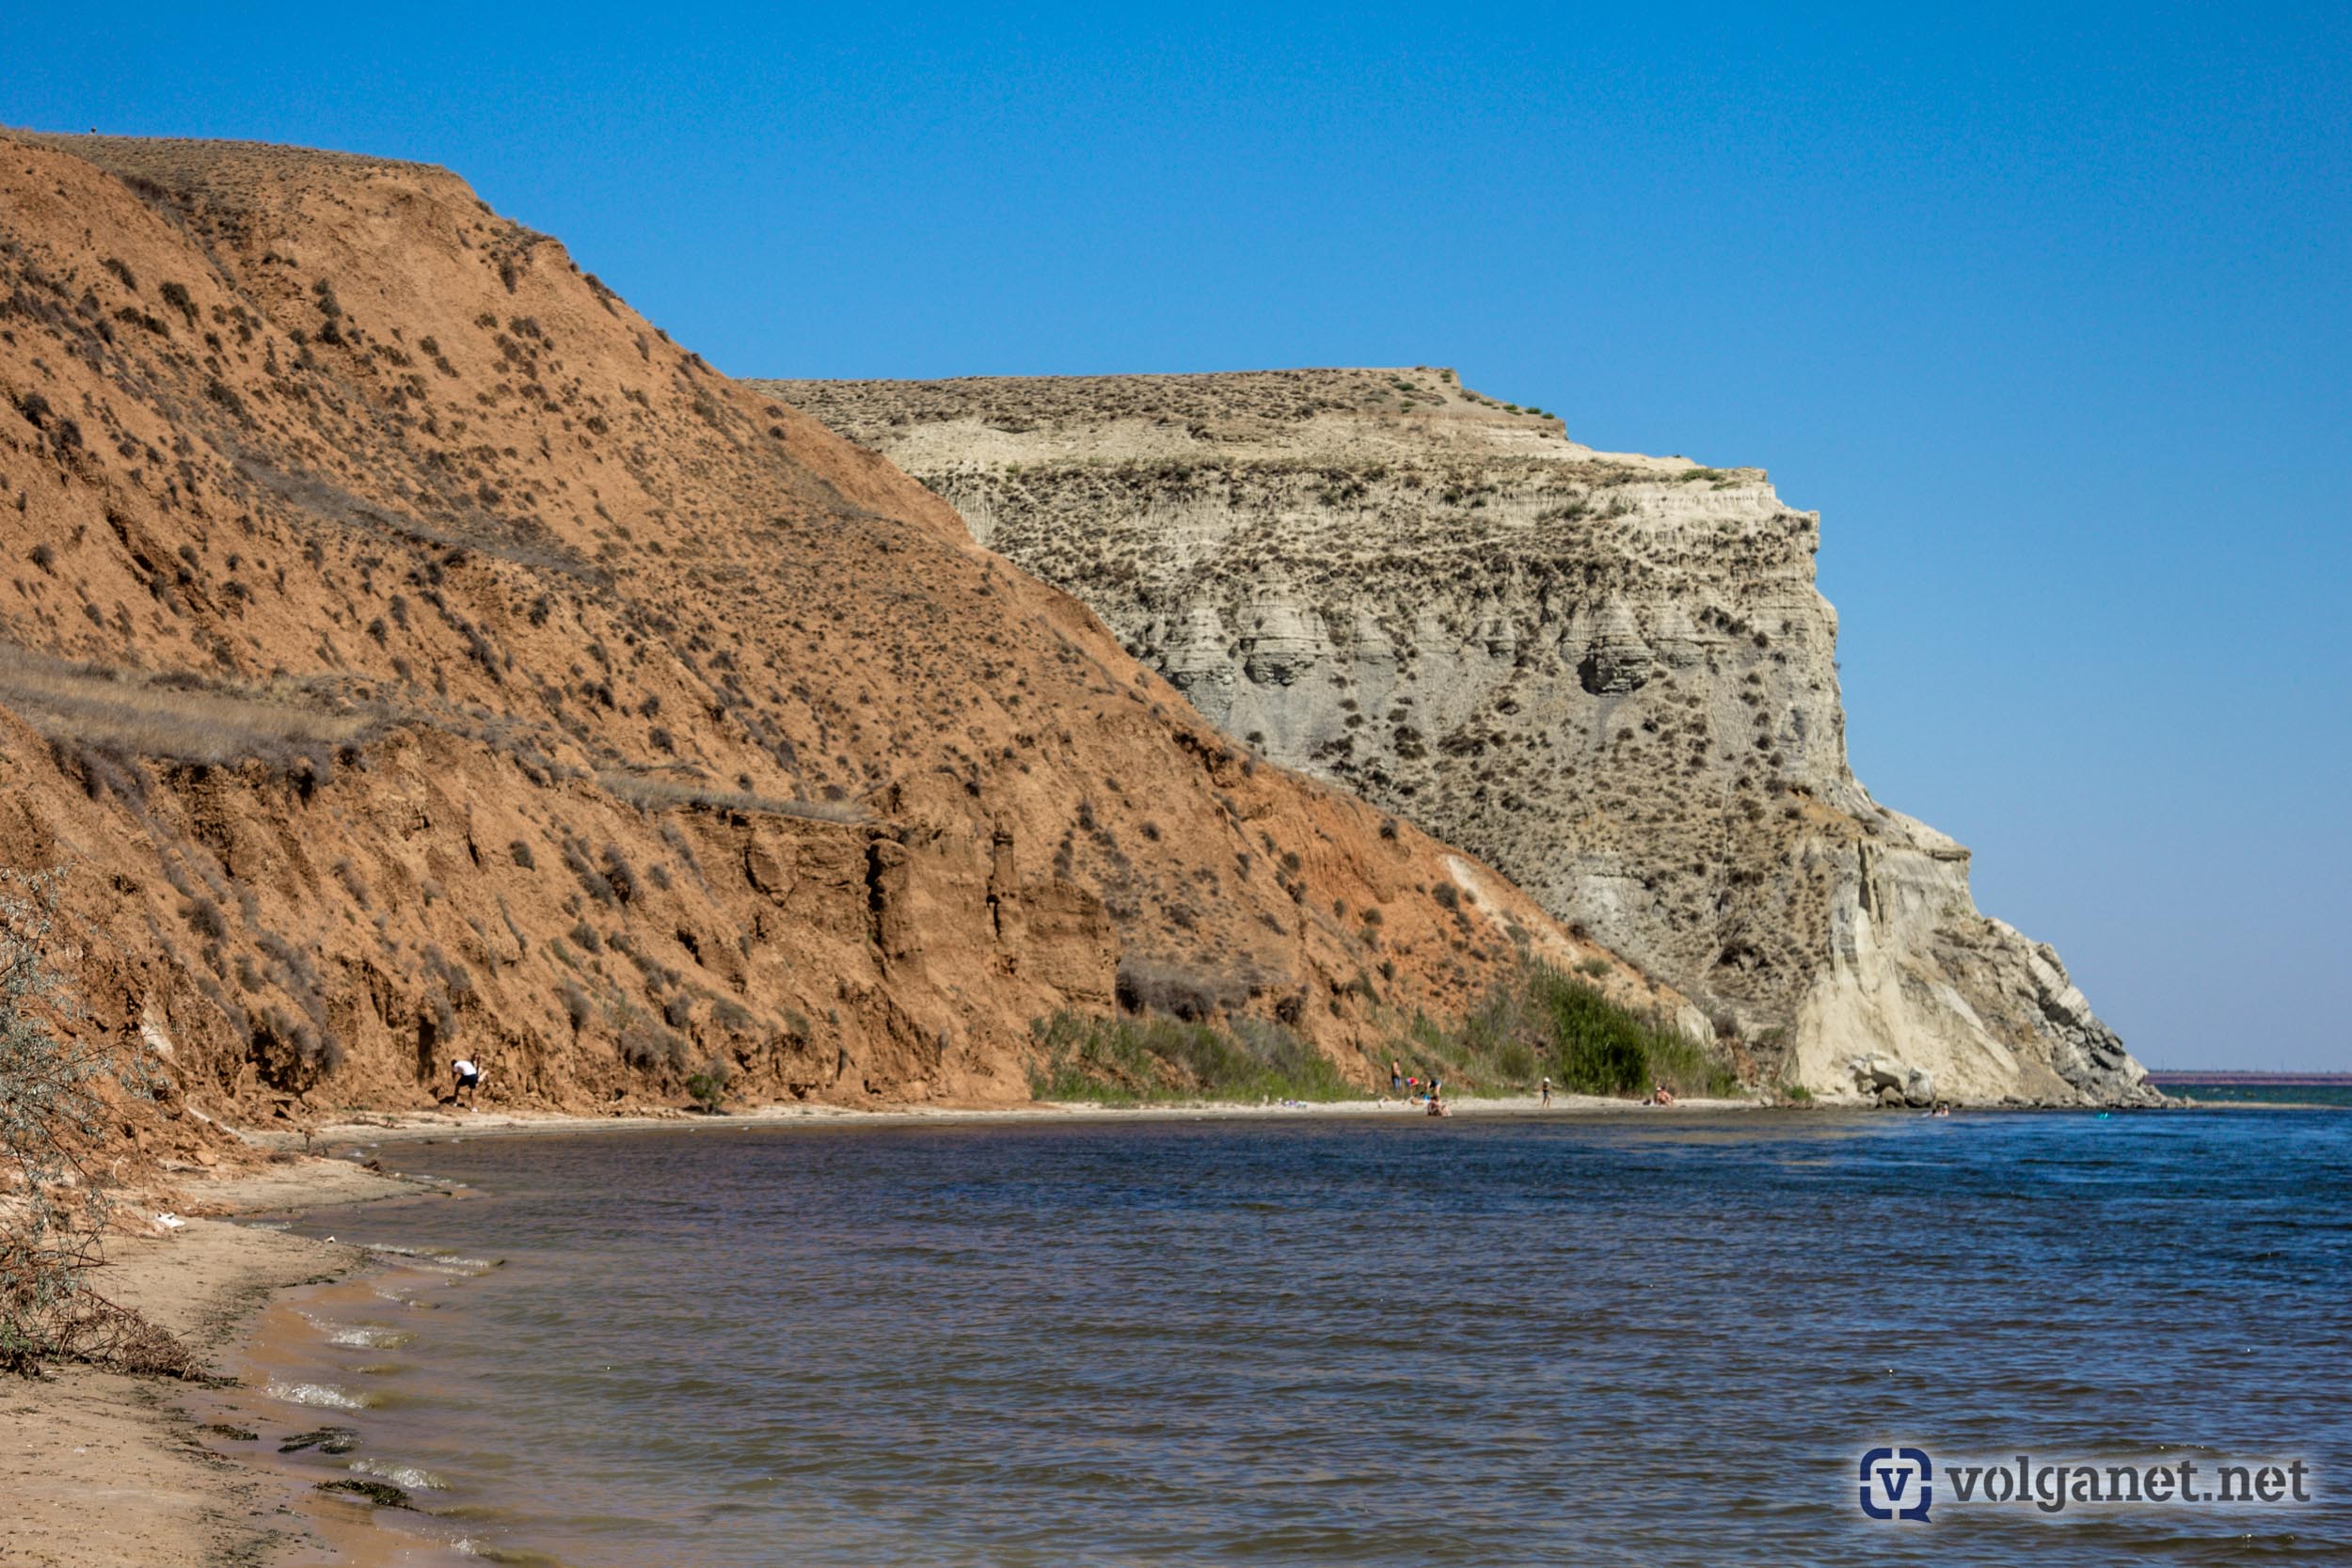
440	1122
378	1126
104	1470
390	1126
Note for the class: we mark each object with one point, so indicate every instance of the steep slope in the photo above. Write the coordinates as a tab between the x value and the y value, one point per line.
409	651
1611	675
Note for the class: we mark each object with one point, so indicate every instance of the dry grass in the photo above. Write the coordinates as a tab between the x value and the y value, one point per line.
1264	402
656	793
181	717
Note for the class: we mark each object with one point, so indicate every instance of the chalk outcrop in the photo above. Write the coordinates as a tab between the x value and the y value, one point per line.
1611	675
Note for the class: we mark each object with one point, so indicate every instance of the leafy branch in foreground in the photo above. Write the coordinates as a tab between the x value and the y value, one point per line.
52	1118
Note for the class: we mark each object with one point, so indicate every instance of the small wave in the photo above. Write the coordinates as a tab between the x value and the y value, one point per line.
437	1259
408	1475
359	1336
321	1396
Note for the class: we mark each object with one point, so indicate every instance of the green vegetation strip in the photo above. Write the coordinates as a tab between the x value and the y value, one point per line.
1131	1061
1539	1023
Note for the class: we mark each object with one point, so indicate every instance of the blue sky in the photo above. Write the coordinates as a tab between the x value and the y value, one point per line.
2045	309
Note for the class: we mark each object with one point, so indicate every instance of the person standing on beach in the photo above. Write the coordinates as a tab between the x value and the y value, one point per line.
469	1080
1547	1092
1396	1076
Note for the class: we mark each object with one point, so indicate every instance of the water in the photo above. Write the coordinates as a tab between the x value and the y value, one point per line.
1641	1338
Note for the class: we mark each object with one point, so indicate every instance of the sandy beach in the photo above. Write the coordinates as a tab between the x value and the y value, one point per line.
338	1137
107	1471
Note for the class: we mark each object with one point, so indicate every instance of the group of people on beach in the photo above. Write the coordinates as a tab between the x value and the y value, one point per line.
1417	1090
1431	1091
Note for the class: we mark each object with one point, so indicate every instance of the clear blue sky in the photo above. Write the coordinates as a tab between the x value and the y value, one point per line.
2045	309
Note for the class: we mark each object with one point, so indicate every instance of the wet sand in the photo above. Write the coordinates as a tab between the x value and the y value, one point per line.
105	1471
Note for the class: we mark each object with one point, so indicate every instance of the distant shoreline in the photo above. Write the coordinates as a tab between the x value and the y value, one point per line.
2253	1080
373	1127
388	1126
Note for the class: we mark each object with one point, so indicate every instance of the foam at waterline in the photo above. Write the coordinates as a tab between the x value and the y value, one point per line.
371	1338
360	1336
436	1259
319	1396
408	1475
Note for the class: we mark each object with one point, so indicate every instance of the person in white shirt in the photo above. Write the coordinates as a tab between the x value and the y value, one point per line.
469	1078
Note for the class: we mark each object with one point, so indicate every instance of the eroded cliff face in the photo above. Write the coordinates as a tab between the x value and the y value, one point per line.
409	652
1611	675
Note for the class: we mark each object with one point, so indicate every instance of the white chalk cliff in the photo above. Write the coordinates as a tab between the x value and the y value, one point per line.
1609	676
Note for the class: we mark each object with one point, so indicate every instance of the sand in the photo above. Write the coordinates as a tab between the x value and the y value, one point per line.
104	1471
361	1132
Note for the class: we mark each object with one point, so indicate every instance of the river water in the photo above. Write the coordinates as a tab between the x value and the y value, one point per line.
1653	1338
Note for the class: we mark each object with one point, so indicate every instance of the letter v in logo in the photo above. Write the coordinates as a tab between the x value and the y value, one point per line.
1896	1484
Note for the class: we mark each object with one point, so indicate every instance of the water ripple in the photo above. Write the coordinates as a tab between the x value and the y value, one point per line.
1371	1343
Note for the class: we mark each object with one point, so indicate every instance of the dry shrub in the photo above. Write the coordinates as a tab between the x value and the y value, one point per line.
650	1048
53	1123
1178	991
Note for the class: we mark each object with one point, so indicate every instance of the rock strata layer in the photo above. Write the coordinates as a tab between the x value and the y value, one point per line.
1611	675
